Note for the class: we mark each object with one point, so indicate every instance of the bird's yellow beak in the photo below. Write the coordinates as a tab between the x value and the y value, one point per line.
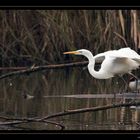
71	52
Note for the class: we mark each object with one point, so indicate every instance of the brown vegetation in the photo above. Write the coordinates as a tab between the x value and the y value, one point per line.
41	36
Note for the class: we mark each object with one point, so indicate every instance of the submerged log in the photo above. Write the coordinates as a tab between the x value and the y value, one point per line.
91	109
40	68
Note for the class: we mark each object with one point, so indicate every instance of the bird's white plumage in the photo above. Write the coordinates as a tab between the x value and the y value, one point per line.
114	62
123	52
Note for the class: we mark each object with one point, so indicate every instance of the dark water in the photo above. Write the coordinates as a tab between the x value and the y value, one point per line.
60	90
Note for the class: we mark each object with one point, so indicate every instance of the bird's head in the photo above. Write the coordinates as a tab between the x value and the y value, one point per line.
79	52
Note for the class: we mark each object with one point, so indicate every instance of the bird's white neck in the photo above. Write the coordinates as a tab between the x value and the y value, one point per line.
101	74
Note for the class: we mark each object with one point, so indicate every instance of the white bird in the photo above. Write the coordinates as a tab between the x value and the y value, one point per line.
114	62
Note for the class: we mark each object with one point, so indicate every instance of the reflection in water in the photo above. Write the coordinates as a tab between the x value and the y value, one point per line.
65	82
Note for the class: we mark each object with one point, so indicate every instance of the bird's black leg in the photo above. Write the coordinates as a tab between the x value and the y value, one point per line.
136	91
122	91
133	75
126	84
136	86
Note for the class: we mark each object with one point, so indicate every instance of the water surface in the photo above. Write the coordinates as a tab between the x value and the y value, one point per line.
59	90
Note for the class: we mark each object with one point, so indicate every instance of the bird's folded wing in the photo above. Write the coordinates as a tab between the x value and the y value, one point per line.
123	59
114	64
119	60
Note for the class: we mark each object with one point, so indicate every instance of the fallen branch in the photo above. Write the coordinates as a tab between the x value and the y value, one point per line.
15	121
83	110
12	122
12	68
39	68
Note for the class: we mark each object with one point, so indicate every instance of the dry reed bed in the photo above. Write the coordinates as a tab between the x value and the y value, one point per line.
41	36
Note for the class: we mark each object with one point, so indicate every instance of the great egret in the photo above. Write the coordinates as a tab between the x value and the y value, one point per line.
114	62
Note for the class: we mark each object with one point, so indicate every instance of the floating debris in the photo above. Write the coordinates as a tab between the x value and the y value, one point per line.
116	95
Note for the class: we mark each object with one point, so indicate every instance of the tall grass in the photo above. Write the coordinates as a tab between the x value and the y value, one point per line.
41	36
